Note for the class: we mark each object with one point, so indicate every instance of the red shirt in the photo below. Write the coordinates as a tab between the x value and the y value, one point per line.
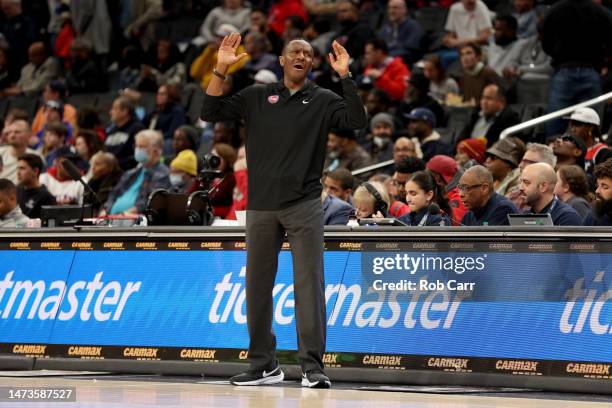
456	204
393	78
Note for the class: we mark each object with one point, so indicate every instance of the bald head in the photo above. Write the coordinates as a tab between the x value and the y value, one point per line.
297	43
480	174
541	173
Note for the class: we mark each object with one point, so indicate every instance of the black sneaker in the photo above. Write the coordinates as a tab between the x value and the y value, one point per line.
258	377
315	379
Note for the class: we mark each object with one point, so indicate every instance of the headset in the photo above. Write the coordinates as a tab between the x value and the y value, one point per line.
380	205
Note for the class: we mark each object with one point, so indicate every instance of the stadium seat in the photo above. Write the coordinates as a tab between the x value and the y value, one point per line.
431	20
448	135
27	103
529	91
103	104
458	117
80	100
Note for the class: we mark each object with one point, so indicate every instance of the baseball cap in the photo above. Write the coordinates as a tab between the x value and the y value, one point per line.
422	114
445	166
585	115
225	29
509	149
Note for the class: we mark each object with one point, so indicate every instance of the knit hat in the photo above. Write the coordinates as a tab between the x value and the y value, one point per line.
443	165
509	149
382	117
186	161
474	148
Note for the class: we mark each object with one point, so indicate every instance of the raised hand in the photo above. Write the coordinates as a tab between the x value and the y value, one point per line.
226	56
339	59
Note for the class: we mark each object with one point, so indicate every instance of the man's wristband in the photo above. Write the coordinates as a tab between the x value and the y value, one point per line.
347	75
218	74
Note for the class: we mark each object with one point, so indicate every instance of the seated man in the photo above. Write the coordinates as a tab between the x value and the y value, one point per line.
468	21
502	161
58	181
484	205
130	195
31	195
10	212
335	210
421	126
475	74
447	174
339	183
538	189
601	215
401	32
36	74
383	71
493	117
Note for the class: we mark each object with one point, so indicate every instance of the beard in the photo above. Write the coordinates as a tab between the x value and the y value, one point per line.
603	207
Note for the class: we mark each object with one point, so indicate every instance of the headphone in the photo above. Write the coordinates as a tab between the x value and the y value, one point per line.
380	205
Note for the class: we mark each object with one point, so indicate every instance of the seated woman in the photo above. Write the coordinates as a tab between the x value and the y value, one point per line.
422	192
371	200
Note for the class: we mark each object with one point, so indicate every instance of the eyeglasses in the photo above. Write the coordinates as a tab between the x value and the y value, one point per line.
468	187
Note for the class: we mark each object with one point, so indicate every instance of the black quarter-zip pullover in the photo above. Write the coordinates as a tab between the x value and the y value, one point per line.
286	136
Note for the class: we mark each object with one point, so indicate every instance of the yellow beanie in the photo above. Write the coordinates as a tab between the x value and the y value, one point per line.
186	161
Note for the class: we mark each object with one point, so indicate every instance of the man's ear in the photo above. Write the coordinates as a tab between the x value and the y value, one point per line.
577	152
281	59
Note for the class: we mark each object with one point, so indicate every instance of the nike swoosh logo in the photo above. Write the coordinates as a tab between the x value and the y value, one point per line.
266	374
305	101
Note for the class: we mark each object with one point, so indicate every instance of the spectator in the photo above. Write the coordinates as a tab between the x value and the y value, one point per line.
281	11
401	33
382	128
502	161
385	72
475	75
185	138
471	150
105	174
577	54
421	191
87	144
54	91
402	148
58	180
421	125
8	73
17	136
447	174
371	199
168	115
504	47
353	34
202	68
10	212
537	185
19	31
440	84
142	14
130	195
318	34
493	117
294	29
526	17
54	137
339	183
344	151
39	71
570	150
231	12
417	96
485	207
88	119
240	193
92	22
404	168
221	199
183	171
31	195
131	61
573	189
84	75
535	153
165	69
468	21
121	132
601	215
259	24
54	112
584	125
257	46
335	210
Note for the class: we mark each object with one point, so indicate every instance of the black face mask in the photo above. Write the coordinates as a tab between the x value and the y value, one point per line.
503	41
348	23
603	207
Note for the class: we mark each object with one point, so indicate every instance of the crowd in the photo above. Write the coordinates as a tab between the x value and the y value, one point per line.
440	81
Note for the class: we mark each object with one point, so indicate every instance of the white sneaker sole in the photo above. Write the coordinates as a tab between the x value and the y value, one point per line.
316	384
273	379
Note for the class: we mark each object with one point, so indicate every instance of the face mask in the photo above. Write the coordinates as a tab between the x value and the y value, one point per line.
176	180
141	155
380	142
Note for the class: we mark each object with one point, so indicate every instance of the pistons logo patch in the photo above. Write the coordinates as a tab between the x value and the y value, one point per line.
273	99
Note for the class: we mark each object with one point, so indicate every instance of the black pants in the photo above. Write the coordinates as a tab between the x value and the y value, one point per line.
265	232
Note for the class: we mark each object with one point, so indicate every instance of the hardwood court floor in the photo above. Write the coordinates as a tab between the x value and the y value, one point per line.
107	393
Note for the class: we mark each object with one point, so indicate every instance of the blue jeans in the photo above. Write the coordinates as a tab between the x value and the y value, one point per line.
570	86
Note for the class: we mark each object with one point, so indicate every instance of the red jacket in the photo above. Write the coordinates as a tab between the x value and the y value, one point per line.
393	78
456	204
398	209
281	10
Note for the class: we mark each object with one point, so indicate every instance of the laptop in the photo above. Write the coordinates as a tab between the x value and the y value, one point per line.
530	220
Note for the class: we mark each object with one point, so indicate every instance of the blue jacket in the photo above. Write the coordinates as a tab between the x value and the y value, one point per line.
594	220
336	211
405	41
494	212
561	213
414	219
155	178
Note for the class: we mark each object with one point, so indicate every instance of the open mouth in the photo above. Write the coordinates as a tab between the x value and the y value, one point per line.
299	67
